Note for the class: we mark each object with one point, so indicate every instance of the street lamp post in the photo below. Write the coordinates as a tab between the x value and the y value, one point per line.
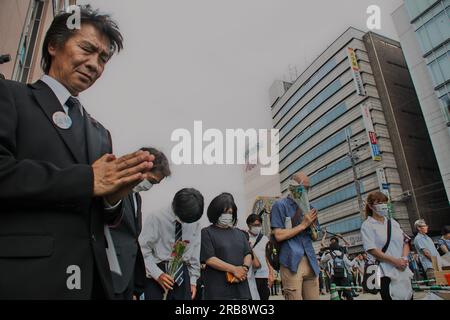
353	159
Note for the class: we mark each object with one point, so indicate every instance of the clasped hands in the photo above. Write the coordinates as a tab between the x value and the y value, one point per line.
240	273
115	178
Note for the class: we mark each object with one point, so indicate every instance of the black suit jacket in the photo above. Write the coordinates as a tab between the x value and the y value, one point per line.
50	224
126	242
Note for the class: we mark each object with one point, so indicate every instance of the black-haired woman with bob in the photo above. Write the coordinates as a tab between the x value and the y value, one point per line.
226	252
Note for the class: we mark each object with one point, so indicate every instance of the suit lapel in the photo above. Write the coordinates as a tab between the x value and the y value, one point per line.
139	213
93	138
49	103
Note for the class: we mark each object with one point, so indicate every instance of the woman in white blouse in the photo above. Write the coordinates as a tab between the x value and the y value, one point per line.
393	265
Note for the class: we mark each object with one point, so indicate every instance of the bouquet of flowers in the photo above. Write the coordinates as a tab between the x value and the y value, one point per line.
176	260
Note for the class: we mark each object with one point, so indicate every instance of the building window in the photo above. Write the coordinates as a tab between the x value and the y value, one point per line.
440	69
445	101
27	44
434	32
417	7
318	151
314	128
334	198
330	171
308	85
311	106
62	5
345	226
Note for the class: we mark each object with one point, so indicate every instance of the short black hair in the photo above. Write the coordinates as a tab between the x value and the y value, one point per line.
252	218
188	205
58	32
334	239
160	164
221	204
445	230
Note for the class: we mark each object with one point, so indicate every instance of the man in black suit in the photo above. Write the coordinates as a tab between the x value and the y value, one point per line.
126	235
59	182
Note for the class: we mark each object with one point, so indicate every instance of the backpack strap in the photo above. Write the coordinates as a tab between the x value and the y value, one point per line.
297	218
389	234
332	254
258	239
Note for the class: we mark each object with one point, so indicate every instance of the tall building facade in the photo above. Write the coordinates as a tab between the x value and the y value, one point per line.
335	127
423	27
23	24
421	179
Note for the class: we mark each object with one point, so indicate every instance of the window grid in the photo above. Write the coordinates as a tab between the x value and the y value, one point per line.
336	197
306	134
319	150
308	85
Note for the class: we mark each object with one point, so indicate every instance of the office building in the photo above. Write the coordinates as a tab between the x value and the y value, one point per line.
343	122
423	27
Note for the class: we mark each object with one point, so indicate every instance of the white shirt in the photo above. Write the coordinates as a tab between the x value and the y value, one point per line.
374	236
260	252
358	264
252	284
328	259
60	91
158	237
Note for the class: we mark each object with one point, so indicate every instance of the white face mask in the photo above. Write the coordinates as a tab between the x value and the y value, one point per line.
382	209
143	186
225	220
255	230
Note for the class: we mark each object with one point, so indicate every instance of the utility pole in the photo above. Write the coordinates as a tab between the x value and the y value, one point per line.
353	159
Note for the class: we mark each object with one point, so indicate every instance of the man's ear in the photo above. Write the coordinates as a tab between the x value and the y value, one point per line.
52	50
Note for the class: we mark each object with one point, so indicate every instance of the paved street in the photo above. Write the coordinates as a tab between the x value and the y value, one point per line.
417	296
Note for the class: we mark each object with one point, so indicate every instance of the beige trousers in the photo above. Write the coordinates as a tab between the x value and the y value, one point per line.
300	285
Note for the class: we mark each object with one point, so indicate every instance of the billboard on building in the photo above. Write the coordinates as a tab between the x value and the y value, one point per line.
356	72
371	135
382	182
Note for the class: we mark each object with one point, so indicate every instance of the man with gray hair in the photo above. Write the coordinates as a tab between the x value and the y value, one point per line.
425	248
291	222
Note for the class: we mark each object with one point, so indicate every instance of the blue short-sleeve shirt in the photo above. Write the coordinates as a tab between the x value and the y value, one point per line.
292	250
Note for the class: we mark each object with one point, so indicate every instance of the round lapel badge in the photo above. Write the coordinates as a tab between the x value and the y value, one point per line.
62	120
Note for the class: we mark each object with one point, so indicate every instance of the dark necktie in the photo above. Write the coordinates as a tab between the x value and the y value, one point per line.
178	276
77	124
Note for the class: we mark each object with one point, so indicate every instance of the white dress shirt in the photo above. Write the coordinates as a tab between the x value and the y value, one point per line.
260	252
60	91
158	237
374	236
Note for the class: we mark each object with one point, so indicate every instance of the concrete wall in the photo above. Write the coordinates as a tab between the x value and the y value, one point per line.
413	150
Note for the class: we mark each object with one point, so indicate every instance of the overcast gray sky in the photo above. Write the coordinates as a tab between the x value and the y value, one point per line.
209	60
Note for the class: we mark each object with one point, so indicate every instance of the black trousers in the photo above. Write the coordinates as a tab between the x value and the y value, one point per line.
153	291
262	284
128	293
98	292
384	288
343	282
